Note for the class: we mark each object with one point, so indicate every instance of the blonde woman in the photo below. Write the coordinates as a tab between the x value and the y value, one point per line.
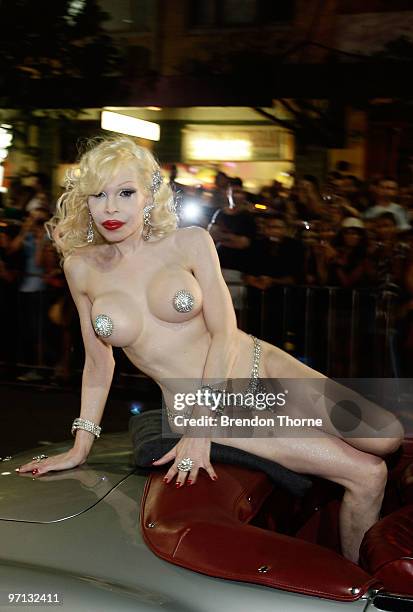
157	291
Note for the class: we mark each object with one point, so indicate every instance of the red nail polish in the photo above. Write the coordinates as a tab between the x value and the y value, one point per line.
189	482
165	480
35	471
178	484
214	477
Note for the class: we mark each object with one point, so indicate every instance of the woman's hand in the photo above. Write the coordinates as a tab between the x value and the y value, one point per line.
197	449
64	461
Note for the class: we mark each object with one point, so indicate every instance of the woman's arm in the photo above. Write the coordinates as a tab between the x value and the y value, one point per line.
218	310
97	375
17	243
201	257
99	363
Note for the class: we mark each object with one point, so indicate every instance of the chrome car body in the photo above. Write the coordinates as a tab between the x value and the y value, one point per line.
77	533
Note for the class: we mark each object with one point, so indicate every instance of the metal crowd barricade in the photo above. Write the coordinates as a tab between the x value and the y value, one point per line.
340	332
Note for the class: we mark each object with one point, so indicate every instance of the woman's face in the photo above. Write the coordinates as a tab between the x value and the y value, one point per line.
118	209
385	229
352	237
326	232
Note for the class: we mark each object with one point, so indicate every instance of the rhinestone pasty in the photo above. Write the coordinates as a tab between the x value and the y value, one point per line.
183	301
103	325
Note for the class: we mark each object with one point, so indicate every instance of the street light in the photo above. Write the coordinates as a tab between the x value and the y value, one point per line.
125	124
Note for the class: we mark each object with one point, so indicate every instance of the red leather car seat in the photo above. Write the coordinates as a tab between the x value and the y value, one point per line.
387	551
205	527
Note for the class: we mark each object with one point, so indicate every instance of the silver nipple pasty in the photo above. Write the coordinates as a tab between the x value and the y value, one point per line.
183	301
103	325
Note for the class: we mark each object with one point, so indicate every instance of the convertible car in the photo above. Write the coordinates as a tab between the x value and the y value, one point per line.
111	536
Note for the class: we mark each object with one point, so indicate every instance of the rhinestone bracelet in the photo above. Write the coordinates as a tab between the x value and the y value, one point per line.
87	425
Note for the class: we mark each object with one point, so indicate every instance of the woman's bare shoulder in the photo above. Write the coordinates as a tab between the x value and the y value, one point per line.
193	235
194	243
76	264
191	232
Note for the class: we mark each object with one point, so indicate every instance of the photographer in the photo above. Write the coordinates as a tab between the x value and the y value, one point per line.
32	306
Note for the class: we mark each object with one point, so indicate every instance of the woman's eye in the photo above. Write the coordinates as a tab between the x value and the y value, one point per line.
98	195
127	193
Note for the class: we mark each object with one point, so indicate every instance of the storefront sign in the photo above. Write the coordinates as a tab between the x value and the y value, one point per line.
236	143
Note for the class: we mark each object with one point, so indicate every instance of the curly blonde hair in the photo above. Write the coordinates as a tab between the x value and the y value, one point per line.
102	159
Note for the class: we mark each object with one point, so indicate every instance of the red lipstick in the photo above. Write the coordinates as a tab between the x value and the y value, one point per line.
112	224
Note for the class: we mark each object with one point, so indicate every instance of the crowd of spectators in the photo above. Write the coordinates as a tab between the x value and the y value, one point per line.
35	304
346	233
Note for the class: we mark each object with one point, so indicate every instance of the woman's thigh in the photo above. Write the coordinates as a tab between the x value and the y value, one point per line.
325	456
344	413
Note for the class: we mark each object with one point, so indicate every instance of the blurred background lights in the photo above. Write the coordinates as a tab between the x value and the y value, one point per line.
75	7
135	408
220	148
125	124
191	210
6	139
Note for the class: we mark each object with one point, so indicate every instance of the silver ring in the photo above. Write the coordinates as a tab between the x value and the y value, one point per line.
40	457
185	465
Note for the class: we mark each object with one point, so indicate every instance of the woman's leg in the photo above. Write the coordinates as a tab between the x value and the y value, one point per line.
362	475
351	463
344	413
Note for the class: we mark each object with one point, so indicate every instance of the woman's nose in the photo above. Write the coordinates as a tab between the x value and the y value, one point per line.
111	204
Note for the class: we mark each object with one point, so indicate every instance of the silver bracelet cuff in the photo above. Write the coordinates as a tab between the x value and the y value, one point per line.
87	426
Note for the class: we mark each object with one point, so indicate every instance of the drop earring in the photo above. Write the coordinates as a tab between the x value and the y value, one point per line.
154	187
147	225
90	233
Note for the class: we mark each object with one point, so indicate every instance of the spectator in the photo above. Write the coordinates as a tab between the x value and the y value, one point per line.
317	239
386	194
61	315
349	267
41	186
232	228
306	202
276	259
18	197
335	214
32	291
219	197
309	239
388	255
272	197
